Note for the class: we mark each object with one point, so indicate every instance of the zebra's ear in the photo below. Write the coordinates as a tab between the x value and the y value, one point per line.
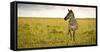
68	9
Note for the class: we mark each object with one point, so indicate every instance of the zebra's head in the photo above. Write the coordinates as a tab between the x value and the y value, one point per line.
69	14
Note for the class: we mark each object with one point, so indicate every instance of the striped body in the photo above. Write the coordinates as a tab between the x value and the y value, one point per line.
73	24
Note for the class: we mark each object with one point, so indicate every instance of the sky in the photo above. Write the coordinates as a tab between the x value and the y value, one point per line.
36	10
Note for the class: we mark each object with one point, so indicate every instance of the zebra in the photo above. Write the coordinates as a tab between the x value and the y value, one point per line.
72	25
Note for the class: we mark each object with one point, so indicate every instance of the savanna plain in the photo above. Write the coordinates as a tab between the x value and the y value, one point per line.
36	32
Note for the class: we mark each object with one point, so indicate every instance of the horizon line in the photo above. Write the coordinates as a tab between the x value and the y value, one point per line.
47	17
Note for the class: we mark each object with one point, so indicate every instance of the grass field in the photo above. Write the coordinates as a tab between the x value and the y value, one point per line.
51	32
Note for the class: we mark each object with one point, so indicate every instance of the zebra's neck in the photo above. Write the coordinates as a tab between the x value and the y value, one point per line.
72	17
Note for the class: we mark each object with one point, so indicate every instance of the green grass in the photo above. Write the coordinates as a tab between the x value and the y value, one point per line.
51	32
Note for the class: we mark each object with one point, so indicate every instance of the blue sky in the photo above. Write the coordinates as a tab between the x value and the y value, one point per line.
36	10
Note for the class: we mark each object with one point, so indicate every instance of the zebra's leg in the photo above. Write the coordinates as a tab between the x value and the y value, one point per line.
68	31
73	35
70	34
